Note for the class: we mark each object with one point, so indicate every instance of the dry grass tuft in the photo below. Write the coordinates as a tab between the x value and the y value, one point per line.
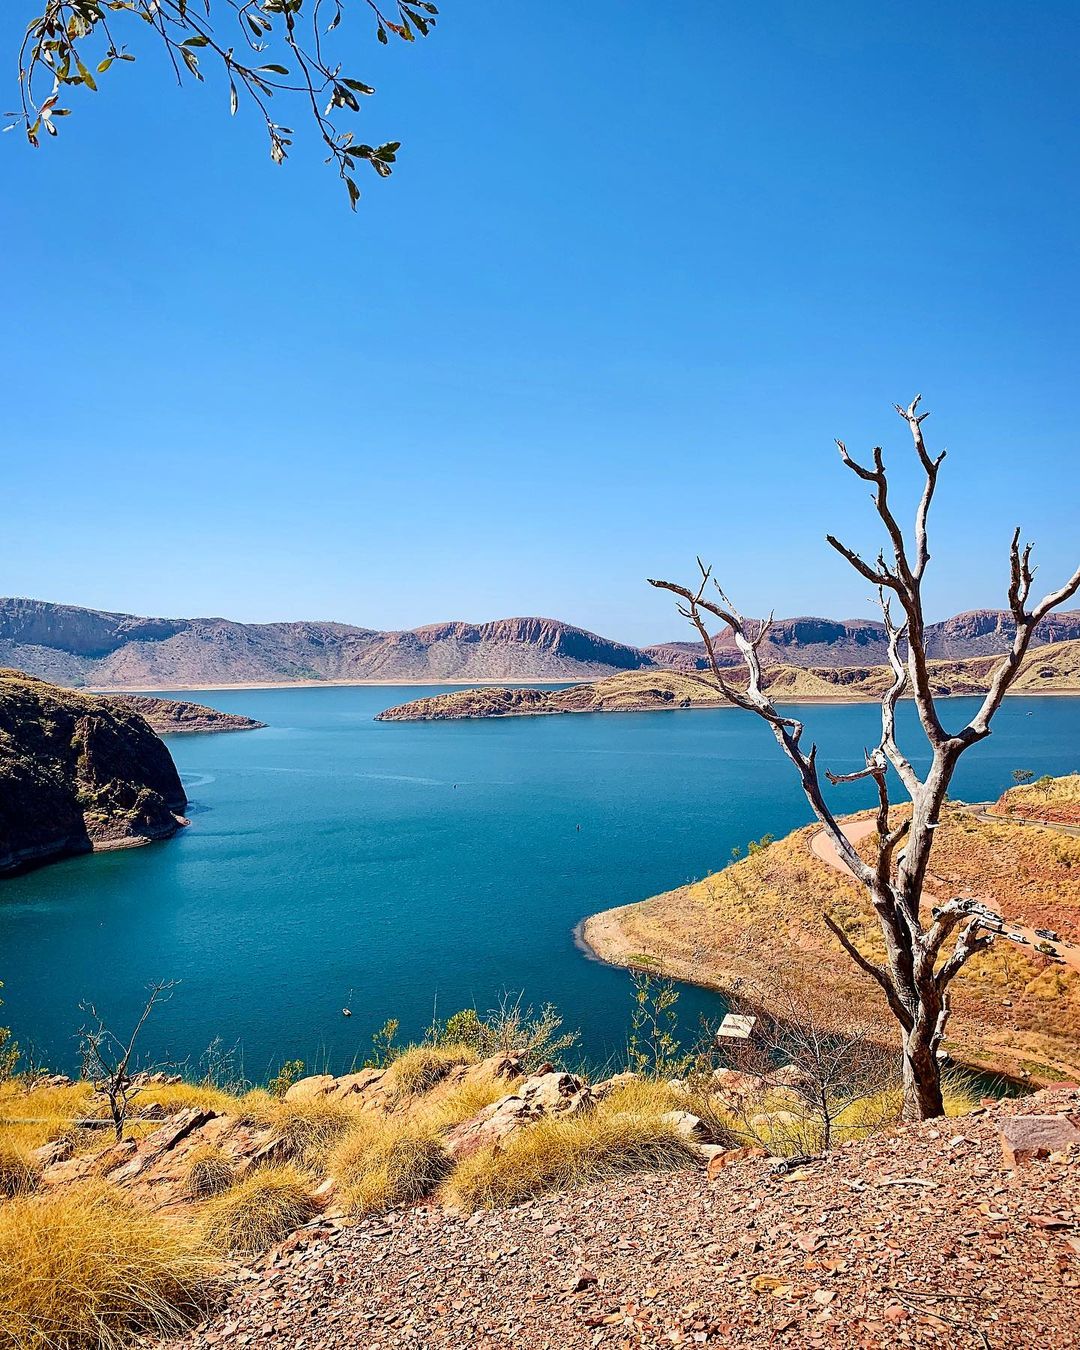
85	1268
556	1155
260	1210
18	1175
308	1130
208	1173
383	1162
465	1101
418	1069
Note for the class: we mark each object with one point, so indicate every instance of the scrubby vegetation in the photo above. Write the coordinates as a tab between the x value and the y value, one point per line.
384	1162
259	1210
85	1268
625	1133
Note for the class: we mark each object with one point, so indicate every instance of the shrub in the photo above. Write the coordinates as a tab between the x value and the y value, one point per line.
208	1173
260	1210
418	1069
290	1072
557	1154
382	1163
83	1268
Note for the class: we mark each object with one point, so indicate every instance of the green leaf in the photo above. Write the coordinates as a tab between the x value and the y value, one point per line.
354	192
197	41
103	66
278	70
358	86
381	34
234	100
87	78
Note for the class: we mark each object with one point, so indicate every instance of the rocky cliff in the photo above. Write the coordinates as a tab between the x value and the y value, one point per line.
78	773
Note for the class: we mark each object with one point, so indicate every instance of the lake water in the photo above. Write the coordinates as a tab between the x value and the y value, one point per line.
401	867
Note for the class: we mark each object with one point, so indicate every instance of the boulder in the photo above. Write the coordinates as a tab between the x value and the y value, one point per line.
689	1126
551	1092
1024	1138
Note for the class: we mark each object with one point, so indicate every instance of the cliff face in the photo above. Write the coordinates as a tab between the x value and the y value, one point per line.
77	773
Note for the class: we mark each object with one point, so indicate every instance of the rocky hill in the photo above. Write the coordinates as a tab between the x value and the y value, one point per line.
1053	670
78	773
80	647
813	642
90	647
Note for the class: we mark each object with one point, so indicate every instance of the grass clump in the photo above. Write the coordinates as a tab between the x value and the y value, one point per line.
383	1163
208	1173
418	1069
260	1210
85	1268
307	1130
18	1175
558	1154
465	1101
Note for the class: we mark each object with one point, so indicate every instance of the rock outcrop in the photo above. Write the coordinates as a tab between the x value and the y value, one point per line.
77	774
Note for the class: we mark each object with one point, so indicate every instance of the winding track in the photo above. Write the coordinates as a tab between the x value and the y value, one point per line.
823	848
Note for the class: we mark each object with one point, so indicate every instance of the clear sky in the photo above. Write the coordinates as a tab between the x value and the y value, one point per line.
638	266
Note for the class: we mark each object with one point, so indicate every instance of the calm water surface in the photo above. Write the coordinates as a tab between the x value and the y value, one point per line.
335	860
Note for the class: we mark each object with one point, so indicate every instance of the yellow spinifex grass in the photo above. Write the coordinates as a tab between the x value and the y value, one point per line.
555	1154
417	1069
384	1161
208	1172
18	1175
465	1101
307	1130
84	1268
259	1210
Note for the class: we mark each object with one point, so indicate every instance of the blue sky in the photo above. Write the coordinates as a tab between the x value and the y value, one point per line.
639	264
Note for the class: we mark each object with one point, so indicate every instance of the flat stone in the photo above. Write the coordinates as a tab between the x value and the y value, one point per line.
1026	1137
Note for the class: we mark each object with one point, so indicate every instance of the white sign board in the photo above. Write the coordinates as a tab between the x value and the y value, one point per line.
736	1028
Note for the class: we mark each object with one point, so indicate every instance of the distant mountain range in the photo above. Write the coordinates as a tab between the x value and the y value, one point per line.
73	646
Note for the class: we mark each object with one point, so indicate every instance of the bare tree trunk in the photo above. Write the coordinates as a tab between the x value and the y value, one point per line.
914	983
922	1075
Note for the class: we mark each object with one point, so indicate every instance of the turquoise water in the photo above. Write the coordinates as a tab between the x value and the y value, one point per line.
397	867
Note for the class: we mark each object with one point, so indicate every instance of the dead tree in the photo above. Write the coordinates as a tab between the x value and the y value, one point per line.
916	974
106	1059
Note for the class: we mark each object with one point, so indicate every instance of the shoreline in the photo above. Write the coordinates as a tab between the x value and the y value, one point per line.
323	684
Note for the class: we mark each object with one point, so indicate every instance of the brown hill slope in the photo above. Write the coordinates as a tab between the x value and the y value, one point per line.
1013	1009
861	642
75	646
78	647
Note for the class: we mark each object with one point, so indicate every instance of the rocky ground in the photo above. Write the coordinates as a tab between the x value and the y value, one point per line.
922	1236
